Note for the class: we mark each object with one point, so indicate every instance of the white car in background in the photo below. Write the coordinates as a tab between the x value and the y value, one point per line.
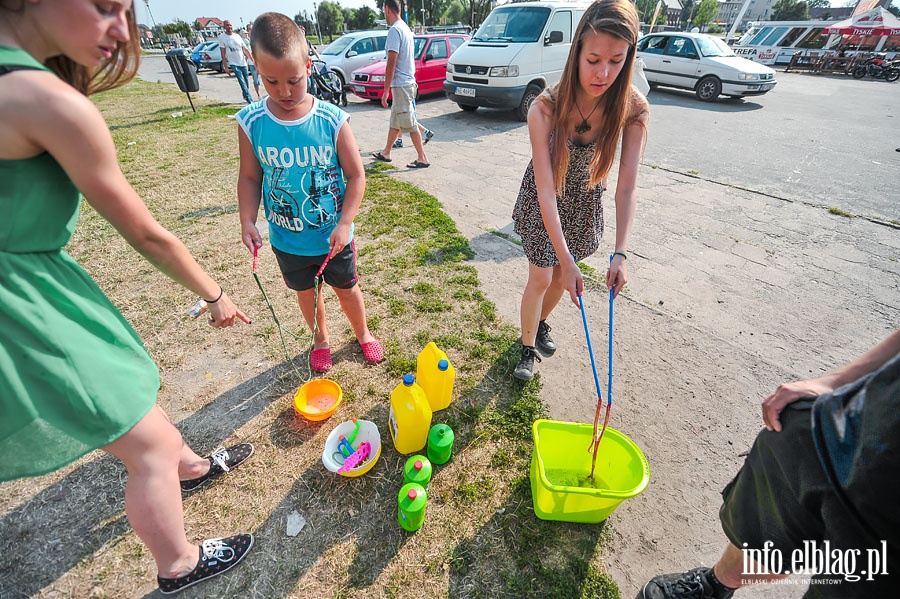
354	51
702	63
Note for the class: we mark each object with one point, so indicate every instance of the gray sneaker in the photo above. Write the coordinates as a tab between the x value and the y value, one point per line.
427	135
543	342
699	583
525	368
398	143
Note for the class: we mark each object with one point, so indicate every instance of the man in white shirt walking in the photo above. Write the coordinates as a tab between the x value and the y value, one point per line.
400	82
234	58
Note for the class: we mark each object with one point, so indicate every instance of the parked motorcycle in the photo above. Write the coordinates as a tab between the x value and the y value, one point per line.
878	67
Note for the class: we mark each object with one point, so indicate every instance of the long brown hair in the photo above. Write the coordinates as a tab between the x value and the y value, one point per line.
113	72
619	19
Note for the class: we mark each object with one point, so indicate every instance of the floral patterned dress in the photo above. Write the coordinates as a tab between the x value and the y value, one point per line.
580	212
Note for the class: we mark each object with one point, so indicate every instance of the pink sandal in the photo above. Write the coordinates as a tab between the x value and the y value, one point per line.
372	352
320	359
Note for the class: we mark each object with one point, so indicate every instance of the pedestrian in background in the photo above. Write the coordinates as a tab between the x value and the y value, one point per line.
400	84
234	58
251	66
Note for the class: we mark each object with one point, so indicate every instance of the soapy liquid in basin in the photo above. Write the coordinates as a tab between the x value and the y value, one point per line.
319	403
575	478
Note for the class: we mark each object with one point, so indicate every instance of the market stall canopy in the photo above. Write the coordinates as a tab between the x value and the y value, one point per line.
873	22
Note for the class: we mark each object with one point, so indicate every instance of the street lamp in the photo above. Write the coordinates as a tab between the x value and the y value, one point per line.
152	20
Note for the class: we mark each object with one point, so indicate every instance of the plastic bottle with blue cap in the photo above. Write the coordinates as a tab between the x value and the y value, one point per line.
410	416
436	375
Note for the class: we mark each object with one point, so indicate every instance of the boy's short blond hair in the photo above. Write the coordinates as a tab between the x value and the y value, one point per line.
278	36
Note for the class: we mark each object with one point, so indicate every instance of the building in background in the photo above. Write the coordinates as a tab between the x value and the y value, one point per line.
210	27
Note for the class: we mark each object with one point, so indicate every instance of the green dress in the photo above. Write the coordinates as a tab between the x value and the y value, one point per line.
74	376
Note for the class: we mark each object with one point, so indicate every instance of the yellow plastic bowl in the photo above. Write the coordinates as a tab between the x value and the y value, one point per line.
318	399
367	432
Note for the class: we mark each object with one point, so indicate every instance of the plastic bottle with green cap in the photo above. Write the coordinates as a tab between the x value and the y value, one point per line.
440	444
436	376
410	416
411	506
417	470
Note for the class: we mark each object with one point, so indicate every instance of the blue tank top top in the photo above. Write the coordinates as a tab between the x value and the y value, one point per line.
303	183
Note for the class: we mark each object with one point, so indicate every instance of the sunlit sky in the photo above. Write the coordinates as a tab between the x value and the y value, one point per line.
240	12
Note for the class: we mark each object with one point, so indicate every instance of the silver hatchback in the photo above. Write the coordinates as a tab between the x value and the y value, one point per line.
354	51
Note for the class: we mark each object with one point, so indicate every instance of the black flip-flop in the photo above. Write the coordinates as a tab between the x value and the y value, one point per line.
417	164
380	156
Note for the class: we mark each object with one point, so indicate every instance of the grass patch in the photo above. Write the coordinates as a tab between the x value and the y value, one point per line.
480	538
839	212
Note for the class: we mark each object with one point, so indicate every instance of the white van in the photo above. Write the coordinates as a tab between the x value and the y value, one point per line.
518	51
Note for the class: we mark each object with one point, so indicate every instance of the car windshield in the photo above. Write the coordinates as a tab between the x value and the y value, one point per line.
338	45
712	46
513	24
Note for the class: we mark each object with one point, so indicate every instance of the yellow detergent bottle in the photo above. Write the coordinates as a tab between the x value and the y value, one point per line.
436	376
410	417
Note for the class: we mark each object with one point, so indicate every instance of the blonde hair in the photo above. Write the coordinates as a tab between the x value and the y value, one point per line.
619	19
113	72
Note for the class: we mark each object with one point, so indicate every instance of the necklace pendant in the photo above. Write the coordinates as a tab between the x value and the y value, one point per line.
582	127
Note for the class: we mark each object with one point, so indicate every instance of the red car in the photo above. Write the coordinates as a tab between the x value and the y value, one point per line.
431	53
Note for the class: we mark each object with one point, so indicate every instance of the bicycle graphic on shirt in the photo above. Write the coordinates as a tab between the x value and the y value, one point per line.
320	206
317	209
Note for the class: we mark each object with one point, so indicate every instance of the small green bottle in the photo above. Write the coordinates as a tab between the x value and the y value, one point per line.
411	506
440	444
417	470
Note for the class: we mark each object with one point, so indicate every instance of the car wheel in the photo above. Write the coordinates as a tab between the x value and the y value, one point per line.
531	93
709	89
467	107
892	74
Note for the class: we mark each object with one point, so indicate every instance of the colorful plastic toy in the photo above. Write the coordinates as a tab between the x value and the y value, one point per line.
356	458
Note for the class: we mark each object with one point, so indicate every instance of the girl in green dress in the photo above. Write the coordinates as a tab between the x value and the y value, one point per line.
74	377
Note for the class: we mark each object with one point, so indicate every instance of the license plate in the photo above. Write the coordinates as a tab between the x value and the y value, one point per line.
359	88
766	87
465	91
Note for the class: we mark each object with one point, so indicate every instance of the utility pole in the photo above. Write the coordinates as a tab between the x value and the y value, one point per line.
316	15
737	20
423	15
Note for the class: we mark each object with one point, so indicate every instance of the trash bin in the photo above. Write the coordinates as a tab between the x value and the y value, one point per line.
183	69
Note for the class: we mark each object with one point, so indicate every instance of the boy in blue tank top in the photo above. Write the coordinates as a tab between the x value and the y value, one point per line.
296	153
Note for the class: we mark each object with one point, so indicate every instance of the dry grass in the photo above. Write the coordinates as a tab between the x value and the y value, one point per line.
66	535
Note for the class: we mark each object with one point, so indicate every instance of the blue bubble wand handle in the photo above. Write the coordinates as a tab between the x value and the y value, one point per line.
590	346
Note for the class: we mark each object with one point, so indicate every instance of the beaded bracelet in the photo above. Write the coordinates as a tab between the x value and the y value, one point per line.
623	254
221	293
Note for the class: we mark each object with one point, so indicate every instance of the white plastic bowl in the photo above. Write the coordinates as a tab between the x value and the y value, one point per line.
367	432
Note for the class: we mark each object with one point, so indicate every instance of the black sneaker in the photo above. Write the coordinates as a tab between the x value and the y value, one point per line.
427	135
216	556
398	143
699	583
220	461
543	342
525	368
